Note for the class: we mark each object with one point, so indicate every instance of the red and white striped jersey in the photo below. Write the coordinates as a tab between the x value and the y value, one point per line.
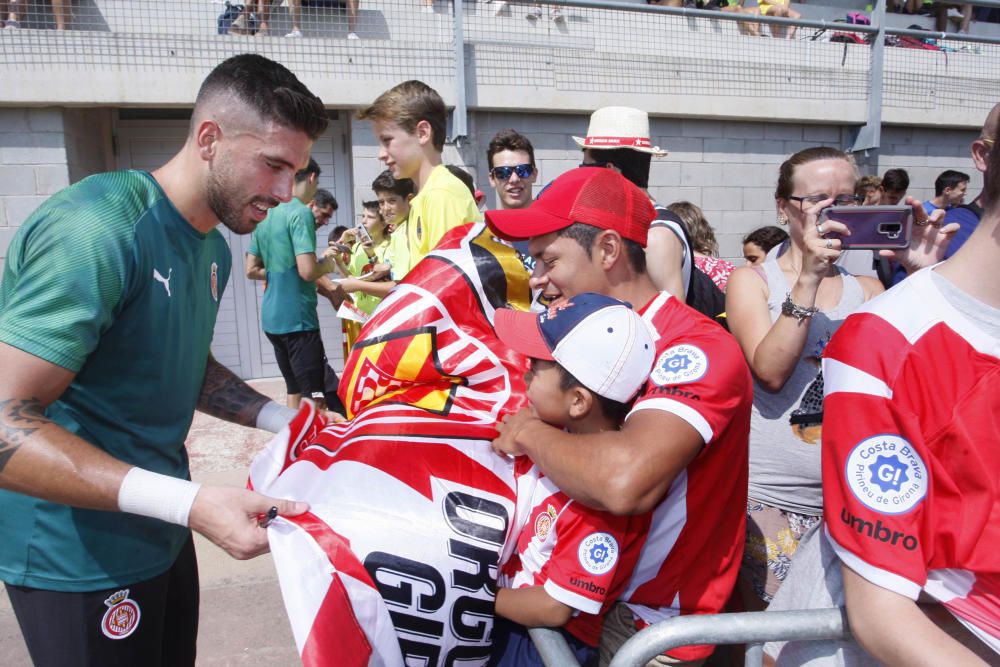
692	553
911	451
582	557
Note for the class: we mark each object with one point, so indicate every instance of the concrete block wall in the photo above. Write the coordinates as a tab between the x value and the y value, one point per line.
729	168
89	147
33	164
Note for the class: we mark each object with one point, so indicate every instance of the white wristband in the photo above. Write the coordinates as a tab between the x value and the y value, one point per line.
157	496
274	417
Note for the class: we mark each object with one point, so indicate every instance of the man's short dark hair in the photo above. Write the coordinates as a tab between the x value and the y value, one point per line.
336	233
634	165
463	176
766	237
386	182
372	206
509	140
586	234
269	89
311	169
323	198
896	180
948	179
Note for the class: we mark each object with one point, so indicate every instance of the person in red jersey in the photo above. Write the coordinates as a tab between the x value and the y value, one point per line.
682	451
910	456
589	358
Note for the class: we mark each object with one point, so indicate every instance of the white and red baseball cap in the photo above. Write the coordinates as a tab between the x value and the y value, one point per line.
619	127
599	340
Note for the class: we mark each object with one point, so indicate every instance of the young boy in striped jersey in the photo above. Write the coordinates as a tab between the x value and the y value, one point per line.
589	358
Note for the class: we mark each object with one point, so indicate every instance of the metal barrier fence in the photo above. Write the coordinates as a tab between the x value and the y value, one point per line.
752	628
709	62
621	47
396	40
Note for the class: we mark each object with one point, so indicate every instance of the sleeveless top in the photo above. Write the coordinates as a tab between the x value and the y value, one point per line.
785	426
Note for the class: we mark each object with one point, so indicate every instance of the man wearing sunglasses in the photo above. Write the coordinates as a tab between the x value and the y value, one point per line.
511	159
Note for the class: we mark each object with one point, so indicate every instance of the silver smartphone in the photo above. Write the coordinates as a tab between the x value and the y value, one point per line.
872	227
363	235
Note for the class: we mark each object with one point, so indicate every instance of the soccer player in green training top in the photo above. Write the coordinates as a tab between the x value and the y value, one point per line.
107	305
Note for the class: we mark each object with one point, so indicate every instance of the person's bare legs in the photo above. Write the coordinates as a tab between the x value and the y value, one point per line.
792	14
963	26
12	15
745	27
59	13
783	11
295	14
941	21
263	14
352	17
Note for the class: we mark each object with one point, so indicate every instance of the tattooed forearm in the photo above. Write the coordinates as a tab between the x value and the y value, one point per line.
19	419
225	396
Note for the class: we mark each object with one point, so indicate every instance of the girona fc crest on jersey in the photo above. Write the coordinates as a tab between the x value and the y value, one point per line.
215	281
543	524
122	617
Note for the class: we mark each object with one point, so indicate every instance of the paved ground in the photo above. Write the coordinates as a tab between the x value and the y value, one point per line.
243	620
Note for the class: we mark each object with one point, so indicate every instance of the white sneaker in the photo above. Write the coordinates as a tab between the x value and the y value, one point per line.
498	7
296	34
556	15
352	35
954	13
534	13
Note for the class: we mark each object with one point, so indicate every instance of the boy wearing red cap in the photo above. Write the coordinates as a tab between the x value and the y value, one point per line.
682	450
589	356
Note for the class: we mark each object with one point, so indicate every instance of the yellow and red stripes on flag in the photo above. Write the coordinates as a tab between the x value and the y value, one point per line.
410	483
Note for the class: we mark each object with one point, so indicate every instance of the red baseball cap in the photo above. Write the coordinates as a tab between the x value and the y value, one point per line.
595	196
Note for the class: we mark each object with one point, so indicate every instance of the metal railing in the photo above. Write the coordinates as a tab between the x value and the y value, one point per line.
709	62
751	628
552	648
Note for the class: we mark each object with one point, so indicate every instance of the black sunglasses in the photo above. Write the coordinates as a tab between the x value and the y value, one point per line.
503	173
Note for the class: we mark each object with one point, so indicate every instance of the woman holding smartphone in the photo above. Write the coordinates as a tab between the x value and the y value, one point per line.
783	312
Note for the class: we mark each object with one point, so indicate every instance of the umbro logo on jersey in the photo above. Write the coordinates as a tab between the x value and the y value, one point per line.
158	277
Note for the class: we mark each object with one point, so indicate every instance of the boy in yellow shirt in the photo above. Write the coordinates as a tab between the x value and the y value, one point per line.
409	122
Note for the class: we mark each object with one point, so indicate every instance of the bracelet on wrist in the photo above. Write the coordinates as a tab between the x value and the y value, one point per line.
792	309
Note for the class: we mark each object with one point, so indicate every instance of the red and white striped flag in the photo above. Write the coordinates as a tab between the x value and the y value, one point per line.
411	510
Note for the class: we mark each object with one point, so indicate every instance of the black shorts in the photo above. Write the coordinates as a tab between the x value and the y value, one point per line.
153	623
301	359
